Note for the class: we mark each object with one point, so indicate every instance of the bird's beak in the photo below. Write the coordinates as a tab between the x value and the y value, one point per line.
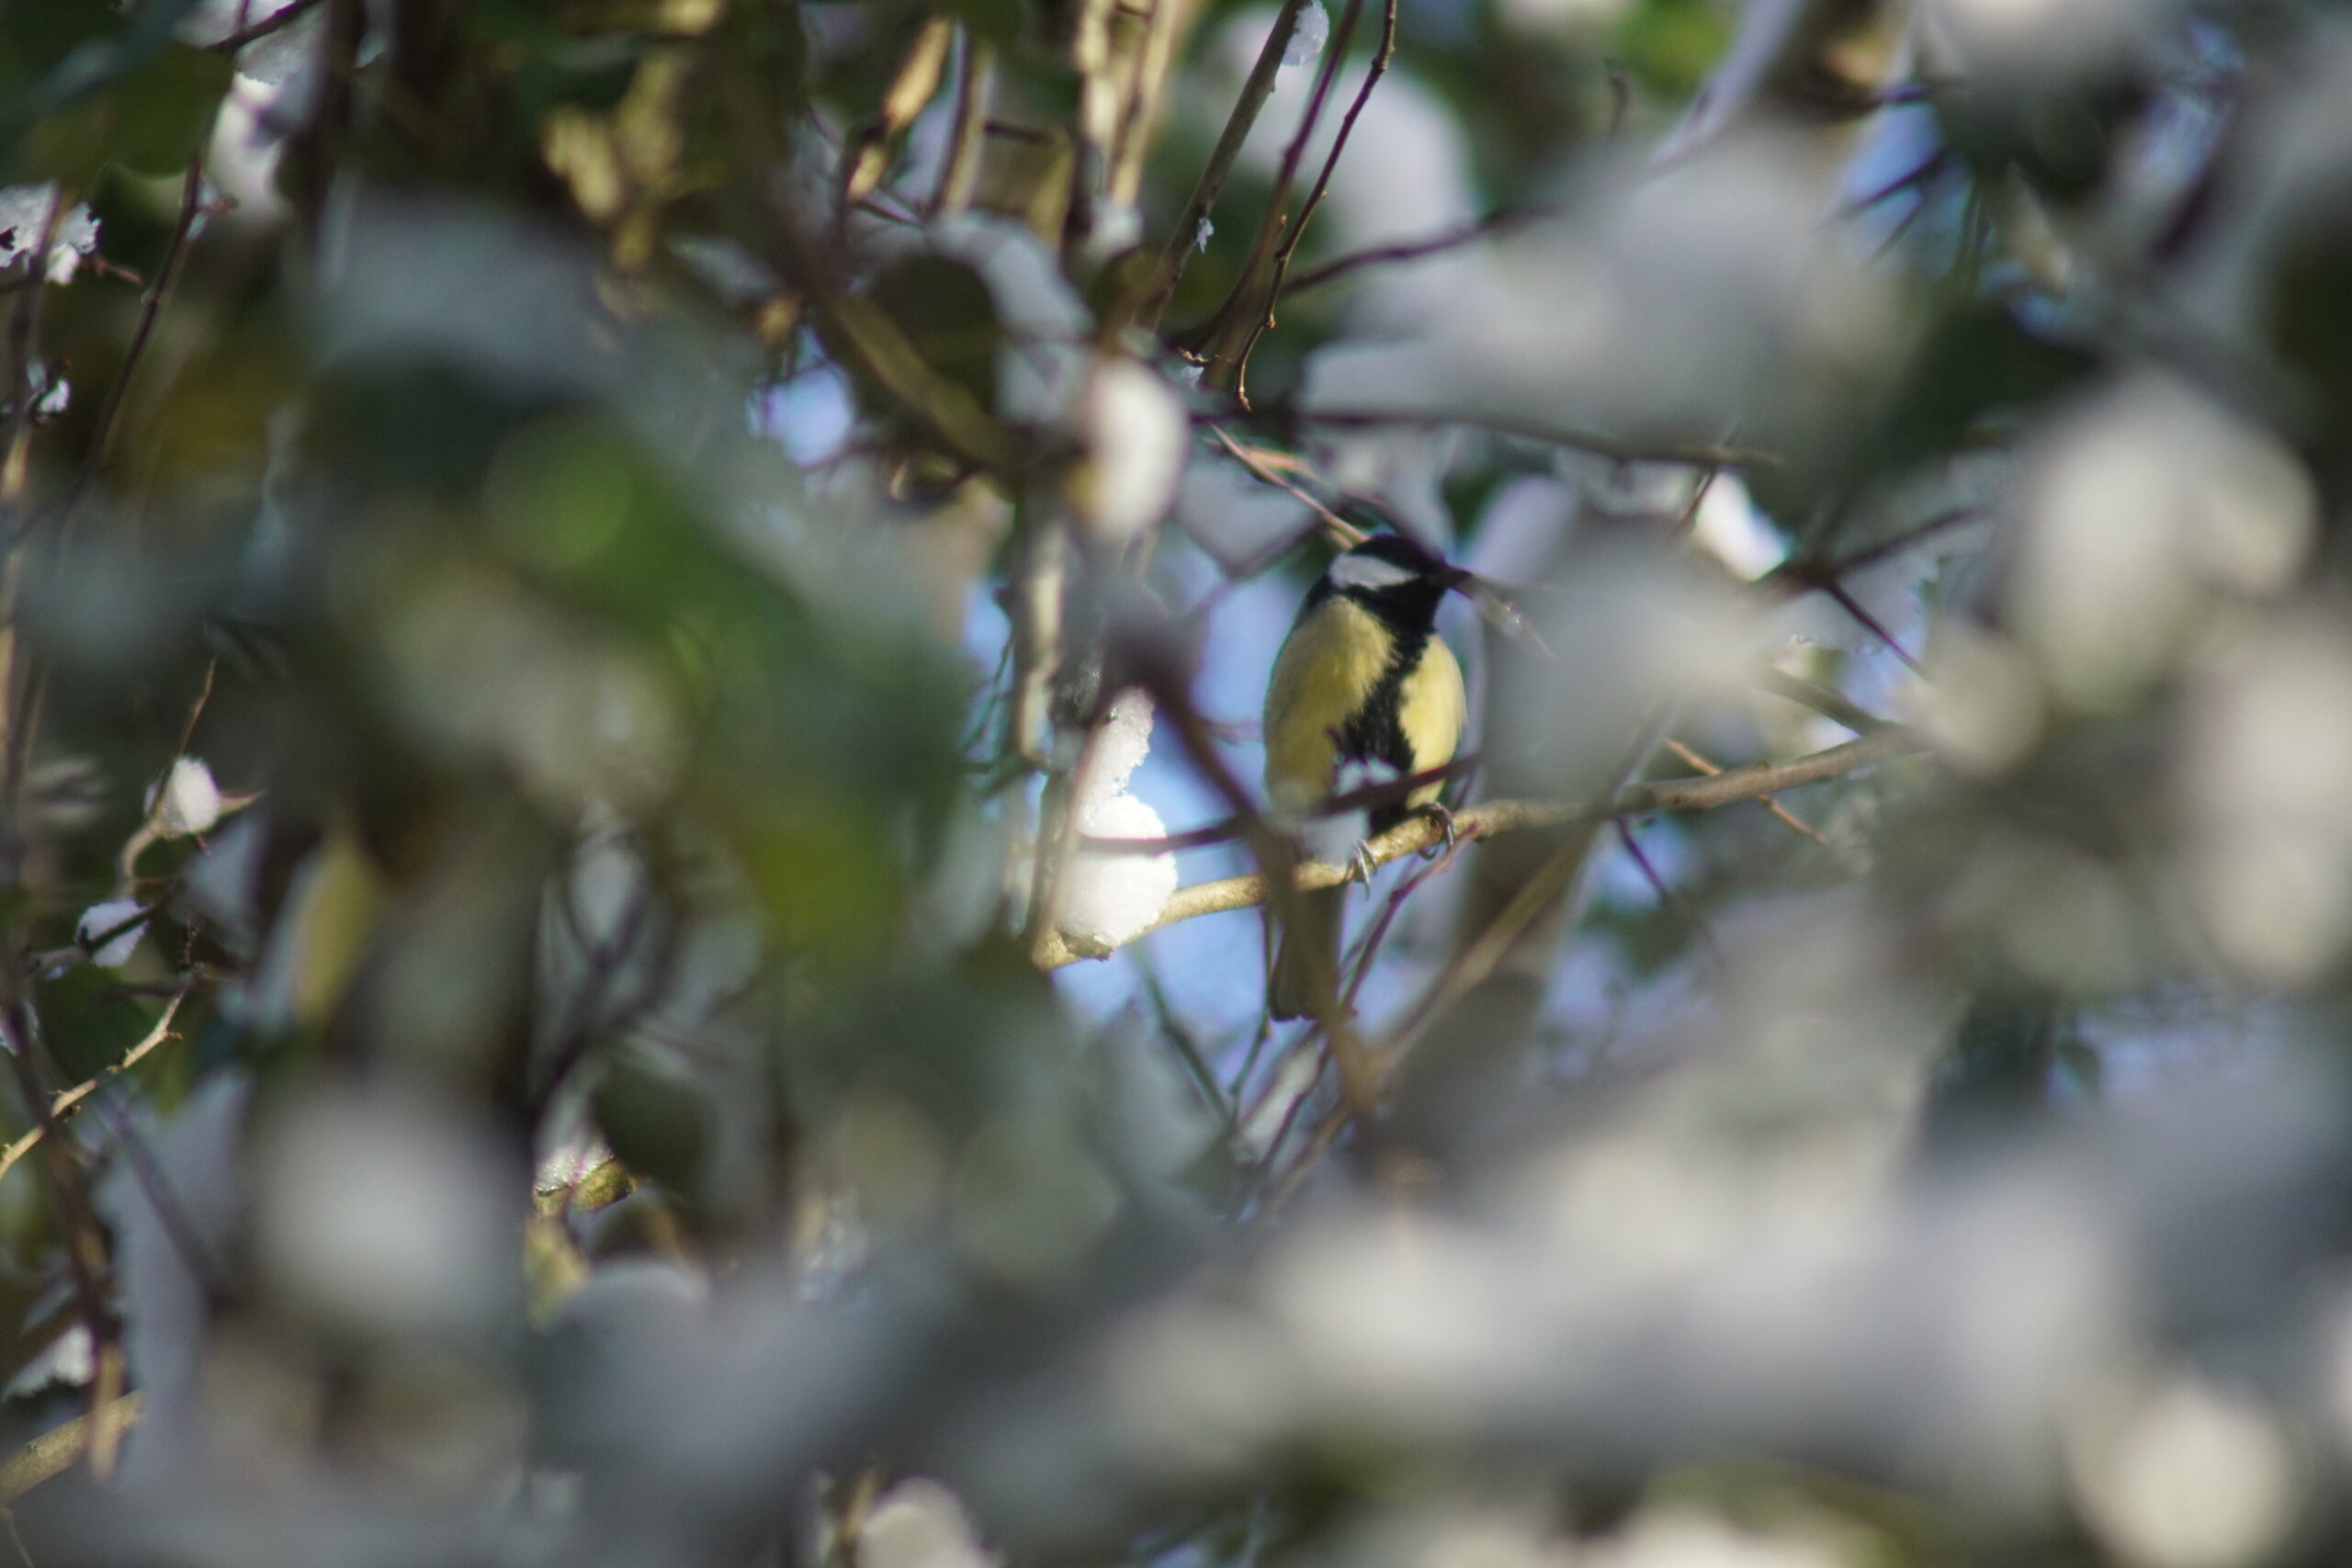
1460	578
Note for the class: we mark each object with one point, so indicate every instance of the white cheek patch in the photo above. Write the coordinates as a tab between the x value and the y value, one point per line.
1369	571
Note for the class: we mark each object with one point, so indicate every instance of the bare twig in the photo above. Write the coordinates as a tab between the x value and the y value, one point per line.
1710	769
1040	573
276	21
84	1240
1144	91
868	154
110	411
64	1104
1825	701
1373	73
24	352
1234	325
1666	893
1925	170
1343	532
1624	449
1196	1066
975	85
53	1453
1494	222
1846	600
1808	572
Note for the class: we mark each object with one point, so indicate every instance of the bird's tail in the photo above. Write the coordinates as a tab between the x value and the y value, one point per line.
1306	959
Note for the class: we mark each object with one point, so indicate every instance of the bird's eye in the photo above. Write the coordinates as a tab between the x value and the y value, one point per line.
1369	571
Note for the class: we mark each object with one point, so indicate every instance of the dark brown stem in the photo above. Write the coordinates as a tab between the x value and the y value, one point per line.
110	411
1255	91
275	22
1373	73
1413	250
1234	326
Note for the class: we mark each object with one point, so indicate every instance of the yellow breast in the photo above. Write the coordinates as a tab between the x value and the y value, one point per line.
1324	675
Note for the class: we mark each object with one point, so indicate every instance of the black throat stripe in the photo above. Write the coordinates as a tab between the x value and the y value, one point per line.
1376	733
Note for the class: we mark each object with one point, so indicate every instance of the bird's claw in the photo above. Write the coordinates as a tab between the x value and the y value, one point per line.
1363	866
1444	819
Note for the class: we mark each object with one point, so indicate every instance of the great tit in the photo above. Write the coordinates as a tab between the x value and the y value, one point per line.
1362	678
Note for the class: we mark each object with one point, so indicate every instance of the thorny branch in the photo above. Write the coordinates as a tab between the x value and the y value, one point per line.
68	1100
1500	817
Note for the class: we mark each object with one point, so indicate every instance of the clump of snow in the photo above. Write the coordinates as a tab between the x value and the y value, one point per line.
1109	899
1125	742
186	801
921	1524
24	213
99	919
1136	435
1307	35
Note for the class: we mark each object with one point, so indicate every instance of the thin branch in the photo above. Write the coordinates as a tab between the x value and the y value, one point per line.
1476	962
1925	170
179	1228
1624	449
16	388
53	1453
1255	91
1037	587
867	155
1369	948
1413	250
1144	91
1346	533
110	411
1236	323
1500	817
1803	571
1846	600
64	1104
84	1242
1196	1066
974	86
1826	701
1711	769
1667	894
276	21
1373	73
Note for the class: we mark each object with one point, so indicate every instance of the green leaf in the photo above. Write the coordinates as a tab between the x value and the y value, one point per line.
89	1020
165	111
657	1120
151	124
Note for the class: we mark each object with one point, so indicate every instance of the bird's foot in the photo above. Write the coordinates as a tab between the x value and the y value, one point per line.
1444	818
1363	866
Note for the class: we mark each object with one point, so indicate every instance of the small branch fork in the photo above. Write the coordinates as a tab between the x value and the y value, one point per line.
1494	817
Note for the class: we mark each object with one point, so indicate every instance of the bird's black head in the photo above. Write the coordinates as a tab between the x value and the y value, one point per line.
1395	577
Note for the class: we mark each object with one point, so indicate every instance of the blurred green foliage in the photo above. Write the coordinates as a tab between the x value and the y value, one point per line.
634	617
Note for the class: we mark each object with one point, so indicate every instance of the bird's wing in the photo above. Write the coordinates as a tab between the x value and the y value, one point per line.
1324	674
